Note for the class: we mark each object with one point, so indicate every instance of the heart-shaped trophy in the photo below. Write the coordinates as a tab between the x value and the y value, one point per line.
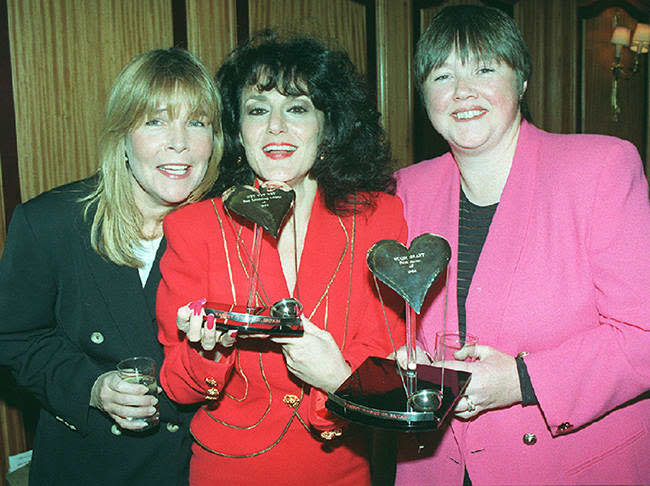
379	393
267	208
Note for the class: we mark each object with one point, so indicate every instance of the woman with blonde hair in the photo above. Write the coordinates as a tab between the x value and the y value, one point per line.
79	275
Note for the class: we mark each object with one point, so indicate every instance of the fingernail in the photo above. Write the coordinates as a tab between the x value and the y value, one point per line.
197	305
209	322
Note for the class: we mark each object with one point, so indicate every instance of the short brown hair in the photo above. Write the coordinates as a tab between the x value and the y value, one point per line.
473	31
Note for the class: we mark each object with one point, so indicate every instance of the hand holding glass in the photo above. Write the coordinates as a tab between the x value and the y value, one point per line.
141	371
450	342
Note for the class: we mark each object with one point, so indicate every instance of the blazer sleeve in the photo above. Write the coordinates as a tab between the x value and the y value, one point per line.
43	360
608	364
186	376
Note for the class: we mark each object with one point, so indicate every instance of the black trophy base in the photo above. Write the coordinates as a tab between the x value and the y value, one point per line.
374	396
257	320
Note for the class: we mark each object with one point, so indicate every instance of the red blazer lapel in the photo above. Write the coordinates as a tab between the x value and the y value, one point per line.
325	255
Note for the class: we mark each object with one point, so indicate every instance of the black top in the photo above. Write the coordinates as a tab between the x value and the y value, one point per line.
473	225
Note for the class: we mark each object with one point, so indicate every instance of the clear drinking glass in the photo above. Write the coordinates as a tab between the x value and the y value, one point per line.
141	371
448	343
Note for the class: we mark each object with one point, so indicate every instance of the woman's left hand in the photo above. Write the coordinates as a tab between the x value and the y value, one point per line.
315	357
494	382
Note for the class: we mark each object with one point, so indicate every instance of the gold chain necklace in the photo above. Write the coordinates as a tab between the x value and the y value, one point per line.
325	295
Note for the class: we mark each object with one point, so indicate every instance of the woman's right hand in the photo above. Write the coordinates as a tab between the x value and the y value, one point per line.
122	401
421	356
199	328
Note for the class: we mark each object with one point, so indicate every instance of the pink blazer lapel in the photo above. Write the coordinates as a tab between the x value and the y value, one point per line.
439	216
490	288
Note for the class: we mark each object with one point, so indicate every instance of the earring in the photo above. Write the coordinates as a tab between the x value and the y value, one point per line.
322	156
239	160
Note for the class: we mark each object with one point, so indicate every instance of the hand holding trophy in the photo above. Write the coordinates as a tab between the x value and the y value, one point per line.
379	393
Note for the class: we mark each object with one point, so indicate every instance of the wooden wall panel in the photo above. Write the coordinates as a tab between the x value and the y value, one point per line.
65	55
342	22
394	76
427	14
3	222
553	42
13	438
598	55
211	30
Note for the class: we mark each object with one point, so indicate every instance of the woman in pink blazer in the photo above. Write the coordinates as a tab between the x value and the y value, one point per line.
553	275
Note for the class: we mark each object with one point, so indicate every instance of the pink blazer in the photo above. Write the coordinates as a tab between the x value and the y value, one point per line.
564	275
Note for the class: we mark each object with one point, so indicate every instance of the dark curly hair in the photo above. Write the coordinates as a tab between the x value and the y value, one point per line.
355	159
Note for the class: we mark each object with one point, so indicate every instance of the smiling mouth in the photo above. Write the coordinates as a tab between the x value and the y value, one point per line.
279	150
468	115
175	170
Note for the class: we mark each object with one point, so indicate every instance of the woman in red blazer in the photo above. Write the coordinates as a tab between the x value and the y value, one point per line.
294	112
550	269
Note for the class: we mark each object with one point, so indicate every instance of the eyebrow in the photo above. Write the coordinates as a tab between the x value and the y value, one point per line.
258	97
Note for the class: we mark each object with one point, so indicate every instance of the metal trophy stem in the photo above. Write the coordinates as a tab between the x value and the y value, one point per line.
257	248
411	357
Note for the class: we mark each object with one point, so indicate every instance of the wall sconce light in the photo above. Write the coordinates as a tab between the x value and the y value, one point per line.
639	44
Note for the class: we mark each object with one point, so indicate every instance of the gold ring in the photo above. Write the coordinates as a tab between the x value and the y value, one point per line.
470	405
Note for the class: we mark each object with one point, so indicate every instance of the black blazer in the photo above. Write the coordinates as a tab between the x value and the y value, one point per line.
66	316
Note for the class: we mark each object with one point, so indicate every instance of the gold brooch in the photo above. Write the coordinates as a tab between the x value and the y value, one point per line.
331	434
291	401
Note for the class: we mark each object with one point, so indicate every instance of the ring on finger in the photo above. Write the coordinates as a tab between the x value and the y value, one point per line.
470	405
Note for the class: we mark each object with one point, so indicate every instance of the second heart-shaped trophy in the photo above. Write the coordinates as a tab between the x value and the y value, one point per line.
380	393
267	208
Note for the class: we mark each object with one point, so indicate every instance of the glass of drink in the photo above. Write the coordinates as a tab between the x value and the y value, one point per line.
449	342
141	371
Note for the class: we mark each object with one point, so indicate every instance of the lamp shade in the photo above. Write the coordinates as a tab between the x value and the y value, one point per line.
640	48
641	38
641	33
621	36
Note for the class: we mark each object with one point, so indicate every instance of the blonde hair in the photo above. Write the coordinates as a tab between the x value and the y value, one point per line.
170	77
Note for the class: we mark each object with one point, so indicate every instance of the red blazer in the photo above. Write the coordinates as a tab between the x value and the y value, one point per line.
254	412
564	275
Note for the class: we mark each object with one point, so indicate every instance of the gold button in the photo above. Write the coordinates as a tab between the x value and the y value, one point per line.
97	337
530	439
291	401
172	427
115	430
213	391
